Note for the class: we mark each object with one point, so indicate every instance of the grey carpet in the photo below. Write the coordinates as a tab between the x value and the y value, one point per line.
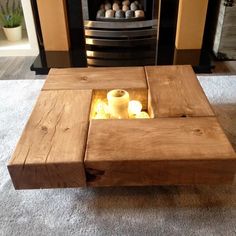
202	210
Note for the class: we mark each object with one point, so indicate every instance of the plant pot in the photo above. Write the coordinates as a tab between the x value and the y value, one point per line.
13	34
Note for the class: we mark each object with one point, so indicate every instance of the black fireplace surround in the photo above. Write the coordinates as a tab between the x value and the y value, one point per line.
150	41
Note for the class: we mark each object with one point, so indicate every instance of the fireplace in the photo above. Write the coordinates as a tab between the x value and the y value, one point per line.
81	39
148	40
121	41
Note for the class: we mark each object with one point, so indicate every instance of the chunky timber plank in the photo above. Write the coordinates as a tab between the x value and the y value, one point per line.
174	91
96	78
158	152
53	22
51	149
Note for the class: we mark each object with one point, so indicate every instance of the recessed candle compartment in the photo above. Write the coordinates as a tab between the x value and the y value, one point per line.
120	104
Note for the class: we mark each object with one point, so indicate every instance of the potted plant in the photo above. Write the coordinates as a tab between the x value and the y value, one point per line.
11	17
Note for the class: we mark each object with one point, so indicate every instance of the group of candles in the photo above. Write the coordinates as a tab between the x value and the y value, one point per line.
119	107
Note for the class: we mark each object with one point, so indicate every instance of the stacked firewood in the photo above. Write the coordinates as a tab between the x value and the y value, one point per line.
121	10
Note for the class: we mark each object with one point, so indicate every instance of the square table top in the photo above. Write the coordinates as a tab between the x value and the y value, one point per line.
182	143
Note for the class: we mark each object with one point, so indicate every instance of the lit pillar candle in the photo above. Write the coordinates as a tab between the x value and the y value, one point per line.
118	102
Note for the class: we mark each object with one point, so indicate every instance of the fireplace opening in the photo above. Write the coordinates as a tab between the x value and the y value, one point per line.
117	40
135	9
116	11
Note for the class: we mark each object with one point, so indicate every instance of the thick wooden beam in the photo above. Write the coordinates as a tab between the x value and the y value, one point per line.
51	149
174	91
54	24
190	24
158	152
96	78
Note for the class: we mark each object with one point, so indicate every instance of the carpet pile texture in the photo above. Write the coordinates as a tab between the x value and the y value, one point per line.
169	210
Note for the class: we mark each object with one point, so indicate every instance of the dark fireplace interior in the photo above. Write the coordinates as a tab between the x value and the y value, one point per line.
148	6
121	42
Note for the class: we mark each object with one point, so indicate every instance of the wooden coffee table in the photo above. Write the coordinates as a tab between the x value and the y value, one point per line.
183	143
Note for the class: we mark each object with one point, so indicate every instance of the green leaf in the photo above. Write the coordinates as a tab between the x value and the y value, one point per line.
11	15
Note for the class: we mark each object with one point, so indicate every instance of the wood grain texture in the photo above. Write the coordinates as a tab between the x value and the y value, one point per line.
158	151
54	24
51	149
174	91
96	78
169	150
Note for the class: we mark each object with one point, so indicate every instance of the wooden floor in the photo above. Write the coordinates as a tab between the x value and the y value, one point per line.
12	68
225	67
